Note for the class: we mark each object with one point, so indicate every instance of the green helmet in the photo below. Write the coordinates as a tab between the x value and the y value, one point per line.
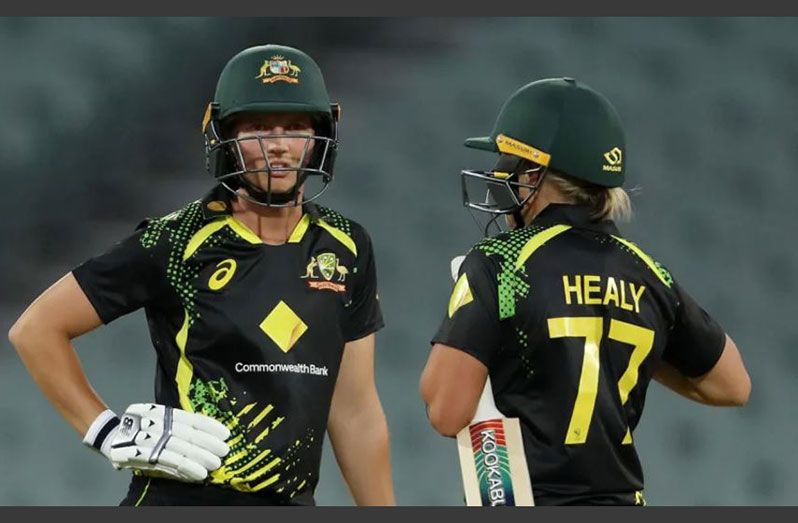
557	124
271	79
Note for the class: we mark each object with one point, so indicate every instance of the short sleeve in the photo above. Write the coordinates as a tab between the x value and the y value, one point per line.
364	315
696	340
124	278
471	323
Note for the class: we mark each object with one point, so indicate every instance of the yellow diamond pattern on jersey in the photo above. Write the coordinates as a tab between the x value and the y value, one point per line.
283	326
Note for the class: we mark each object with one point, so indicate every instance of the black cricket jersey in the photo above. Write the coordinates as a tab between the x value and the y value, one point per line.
248	333
571	320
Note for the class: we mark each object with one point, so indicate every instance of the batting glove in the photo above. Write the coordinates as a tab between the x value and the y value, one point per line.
172	442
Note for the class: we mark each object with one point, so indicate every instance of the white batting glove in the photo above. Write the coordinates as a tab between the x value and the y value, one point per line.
175	443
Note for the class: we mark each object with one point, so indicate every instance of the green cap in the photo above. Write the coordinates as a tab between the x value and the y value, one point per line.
565	125
271	78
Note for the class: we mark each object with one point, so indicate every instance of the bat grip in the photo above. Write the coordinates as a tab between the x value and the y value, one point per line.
486	408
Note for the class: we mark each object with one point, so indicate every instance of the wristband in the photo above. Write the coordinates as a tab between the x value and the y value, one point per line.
97	437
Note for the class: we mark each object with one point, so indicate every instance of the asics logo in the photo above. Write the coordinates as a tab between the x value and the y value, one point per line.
222	276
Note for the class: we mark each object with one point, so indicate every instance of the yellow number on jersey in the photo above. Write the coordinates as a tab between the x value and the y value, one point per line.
591	329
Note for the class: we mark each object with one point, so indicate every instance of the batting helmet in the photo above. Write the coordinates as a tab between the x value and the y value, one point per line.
268	79
557	124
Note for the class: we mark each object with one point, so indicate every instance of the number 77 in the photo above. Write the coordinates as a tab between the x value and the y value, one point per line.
591	328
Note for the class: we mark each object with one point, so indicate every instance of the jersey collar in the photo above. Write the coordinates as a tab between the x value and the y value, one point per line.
577	216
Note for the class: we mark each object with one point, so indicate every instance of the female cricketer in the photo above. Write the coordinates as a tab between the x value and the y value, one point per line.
568	319
262	308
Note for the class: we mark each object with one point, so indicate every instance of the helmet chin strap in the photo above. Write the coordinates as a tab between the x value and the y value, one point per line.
517	215
261	197
518	219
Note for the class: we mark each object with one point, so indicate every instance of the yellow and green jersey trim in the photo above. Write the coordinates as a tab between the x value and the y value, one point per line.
250	466
247	468
304	224
660	271
537	241
188	235
512	250
185	370
247	234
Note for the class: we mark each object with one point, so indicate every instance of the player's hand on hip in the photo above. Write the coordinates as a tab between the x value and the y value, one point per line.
170	442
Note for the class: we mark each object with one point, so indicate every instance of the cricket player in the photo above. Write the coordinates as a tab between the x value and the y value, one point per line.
262	308
569	319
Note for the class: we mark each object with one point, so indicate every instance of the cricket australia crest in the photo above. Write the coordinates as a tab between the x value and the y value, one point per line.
279	69
328	265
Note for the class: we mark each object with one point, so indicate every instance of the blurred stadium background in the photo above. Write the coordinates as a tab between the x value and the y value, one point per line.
100	128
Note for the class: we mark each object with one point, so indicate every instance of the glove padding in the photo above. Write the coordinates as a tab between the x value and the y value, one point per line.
172	442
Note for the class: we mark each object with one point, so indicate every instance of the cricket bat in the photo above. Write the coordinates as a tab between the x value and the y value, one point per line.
491	450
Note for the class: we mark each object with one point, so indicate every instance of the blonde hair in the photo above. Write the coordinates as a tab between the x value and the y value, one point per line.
604	202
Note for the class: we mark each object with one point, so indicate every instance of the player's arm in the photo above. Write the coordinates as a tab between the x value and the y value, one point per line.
178	444
727	384
357	427
42	337
456	370
451	385
101	289
700	361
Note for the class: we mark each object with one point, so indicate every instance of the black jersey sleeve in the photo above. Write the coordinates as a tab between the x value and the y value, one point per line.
364	313
696	340
471	323
125	277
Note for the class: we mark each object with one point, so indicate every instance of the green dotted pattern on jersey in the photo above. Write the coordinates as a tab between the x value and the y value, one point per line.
212	399
222	235
205	397
506	247
336	219
523	338
181	226
662	272
523	342
250	466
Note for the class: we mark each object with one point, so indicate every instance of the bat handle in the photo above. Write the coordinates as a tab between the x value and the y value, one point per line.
486	408
454	266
